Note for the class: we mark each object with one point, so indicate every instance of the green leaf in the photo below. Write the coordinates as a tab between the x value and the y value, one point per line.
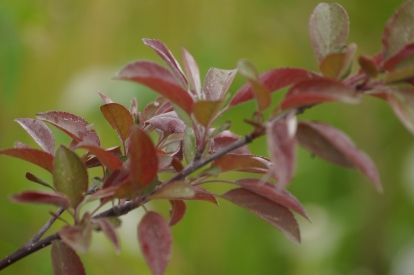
336	64
189	144
119	118
69	175
205	111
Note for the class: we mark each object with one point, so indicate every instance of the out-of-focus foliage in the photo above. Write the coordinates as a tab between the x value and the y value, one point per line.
57	54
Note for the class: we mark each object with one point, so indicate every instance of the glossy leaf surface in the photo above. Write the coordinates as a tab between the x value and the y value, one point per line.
39	132
271	212
155	241
65	261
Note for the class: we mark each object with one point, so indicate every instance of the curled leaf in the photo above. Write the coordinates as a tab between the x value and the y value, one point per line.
177	211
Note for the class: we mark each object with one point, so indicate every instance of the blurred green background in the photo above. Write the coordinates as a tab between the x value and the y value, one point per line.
57	54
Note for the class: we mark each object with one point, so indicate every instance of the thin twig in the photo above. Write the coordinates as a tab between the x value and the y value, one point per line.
47	225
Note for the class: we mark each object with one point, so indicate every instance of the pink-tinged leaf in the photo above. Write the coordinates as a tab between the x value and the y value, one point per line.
337	64
42	198
177	211
94	161
271	212
105	98
226	138
133	108
402	103
143	161
243	163
65	261
159	79
192	71
79	236
315	91
109	231
399	30
119	118
274	80
164	160
69	175
106	158
205	111
368	65
35	179
202	194
161	49
260	91
152	107
399	60
281	146
155	241
39	132
167	122
217	83
273	193
73	125
40	158
21	145
175	191
404	74
332	145
328	29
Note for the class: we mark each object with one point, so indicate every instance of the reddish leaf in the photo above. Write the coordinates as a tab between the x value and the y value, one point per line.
399	30
35	156
273	193
402	103
167	122
108	159
400	75
105	98
79	236
202	194
152	107
328	28
94	161
39	132
155	241
42	198
119	118
177	211
274	80
397	60
35	179
314	91
205	111
281	146
143	161
244	163
21	145
271	212
260	91
175	191
109	230
337	64
191	68
217	83
64	260
161	49
226	138
331	144
159	79
69	175
73	125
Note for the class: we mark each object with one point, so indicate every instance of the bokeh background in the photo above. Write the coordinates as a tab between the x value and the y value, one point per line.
57	54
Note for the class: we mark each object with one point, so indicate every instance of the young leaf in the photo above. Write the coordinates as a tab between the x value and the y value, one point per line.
332	145
109	231
79	236
205	111
402	103
143	161
106	158
119	118
336	64
42	198
155	241
39	132
226	138
281	146
273	193
94	161
159	79
35	179
328	28
189	142
401	59
73	125
191	68
177	211
404	74
167	122
35	156
202	194
399	30
243	163
315	91
274	80
69	175
368	65
217	83
105	98
271	212
174	191
64	260
260	91
161	49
